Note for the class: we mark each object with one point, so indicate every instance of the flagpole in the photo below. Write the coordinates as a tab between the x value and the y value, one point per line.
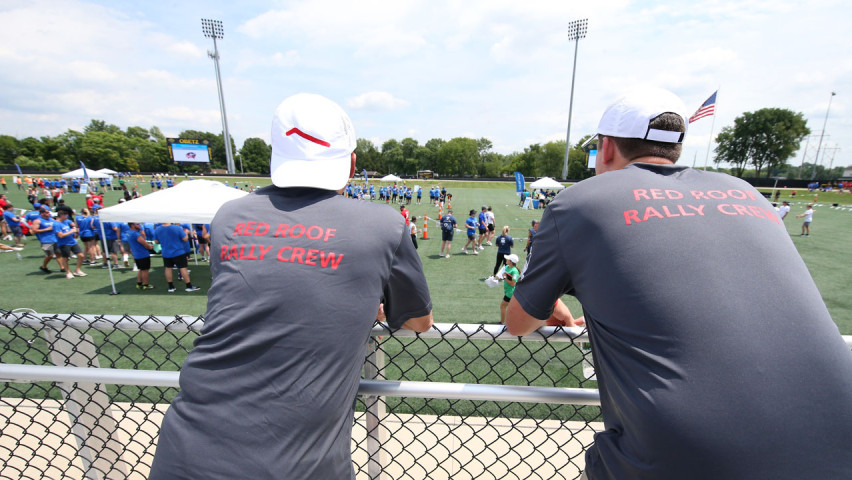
712	126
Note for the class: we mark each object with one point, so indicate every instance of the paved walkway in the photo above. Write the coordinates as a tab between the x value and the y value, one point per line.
37	442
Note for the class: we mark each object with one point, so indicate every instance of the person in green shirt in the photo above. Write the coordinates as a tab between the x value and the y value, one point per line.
510	277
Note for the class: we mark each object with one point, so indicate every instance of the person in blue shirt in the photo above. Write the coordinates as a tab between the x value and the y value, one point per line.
122	231
504	247
85	224
202	236
419	194
14	223
65	229
448	228
470	223
33	215
160	184
170	183
43	230
141	250
482	226
175	244
112	244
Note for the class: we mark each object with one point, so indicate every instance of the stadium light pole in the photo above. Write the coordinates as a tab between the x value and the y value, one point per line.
576	31
816	159
213	29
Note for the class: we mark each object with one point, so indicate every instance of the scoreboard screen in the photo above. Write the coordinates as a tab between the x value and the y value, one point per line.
188	150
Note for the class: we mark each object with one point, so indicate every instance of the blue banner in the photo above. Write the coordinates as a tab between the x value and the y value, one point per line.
19	172
85	173
519	182
364	173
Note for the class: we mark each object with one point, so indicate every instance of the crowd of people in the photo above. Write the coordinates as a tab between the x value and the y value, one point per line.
64	235
395	193
543	196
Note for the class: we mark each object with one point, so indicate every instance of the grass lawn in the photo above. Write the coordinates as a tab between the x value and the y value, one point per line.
458	291
457	284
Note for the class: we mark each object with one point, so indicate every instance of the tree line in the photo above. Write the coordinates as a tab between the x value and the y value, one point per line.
139	149
758	144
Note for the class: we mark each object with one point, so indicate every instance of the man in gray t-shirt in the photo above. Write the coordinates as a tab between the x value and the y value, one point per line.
705	371
299	275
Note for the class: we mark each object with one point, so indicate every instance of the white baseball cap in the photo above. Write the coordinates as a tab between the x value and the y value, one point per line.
630	115
312	143
512	258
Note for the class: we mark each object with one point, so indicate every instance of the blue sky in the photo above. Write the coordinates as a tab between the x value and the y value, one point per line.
479	68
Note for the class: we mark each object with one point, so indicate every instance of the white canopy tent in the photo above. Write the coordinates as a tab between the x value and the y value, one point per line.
79	174
108	171
390	178
546	183
191	201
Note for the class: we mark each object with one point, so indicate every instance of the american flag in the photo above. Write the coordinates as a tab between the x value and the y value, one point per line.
706	109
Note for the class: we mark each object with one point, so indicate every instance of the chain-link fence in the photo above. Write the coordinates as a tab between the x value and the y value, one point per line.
429	407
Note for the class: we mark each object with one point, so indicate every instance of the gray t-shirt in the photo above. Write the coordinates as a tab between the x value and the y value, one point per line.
268	390
716	357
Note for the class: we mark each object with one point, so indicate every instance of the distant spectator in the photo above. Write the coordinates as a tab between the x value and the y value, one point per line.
504	247
174	241
808	216
510	277
13	224
67	246
43	230
141	250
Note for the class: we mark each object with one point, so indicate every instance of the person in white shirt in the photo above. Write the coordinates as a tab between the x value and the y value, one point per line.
809	216
783	210
489	222
412	227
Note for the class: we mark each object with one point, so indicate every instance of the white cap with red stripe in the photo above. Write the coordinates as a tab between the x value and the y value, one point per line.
312	143
630	116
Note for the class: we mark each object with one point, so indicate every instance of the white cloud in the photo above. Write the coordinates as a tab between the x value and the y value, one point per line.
376	101
185	49
251	59
91	71
371	27
499	68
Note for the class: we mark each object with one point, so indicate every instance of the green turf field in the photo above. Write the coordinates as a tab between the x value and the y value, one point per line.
458	291
457	284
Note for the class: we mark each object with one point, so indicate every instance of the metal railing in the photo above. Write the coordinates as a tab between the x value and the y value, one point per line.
83	397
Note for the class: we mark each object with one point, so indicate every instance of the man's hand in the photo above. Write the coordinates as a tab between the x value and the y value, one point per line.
561	316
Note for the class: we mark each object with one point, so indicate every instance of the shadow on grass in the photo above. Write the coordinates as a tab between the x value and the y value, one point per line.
125	283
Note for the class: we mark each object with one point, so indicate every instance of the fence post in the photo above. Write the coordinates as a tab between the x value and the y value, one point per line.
374	369
92	424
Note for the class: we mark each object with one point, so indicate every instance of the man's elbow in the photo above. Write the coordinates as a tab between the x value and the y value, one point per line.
519	322
419	324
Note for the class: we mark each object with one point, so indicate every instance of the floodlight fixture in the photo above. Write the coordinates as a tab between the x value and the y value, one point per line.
576	30
212	28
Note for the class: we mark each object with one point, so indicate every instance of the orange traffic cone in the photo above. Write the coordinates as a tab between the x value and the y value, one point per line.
425	228
440	210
